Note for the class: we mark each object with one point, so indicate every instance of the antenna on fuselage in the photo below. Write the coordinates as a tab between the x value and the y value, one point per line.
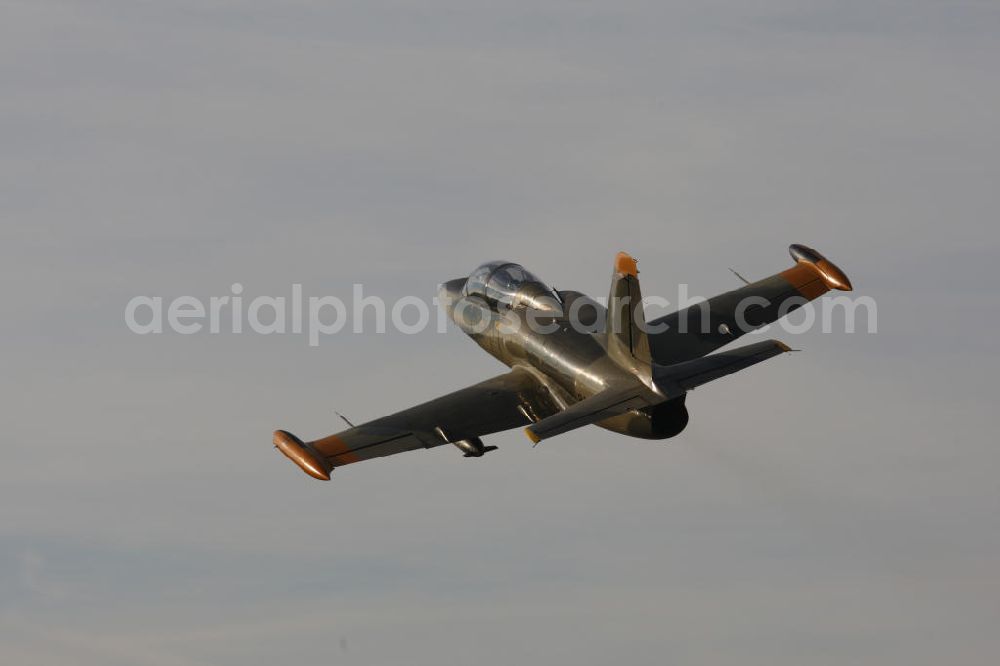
344	418
733	271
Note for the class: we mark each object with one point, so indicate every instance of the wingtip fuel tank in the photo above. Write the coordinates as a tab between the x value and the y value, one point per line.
303	455
832	276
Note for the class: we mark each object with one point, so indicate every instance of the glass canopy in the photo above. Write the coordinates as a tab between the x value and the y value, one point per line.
502	281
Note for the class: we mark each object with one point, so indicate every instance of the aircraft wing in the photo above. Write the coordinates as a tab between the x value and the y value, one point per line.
702	328
608	403
500	403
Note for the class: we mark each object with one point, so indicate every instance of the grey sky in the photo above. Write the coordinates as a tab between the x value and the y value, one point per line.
837	506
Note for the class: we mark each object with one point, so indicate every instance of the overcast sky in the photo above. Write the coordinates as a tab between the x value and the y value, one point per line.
838	506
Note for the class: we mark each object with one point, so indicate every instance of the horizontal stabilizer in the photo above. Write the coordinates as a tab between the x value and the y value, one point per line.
674	380
608	403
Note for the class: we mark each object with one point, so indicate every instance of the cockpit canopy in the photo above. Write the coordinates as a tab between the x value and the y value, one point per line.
509	284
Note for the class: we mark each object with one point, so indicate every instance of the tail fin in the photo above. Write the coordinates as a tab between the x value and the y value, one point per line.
628	344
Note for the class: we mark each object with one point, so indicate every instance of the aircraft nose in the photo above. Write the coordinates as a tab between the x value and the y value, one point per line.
450	292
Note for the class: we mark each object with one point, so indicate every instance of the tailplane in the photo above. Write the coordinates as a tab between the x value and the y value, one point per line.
673	381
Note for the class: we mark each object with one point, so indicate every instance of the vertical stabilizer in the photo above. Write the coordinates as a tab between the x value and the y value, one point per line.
626	330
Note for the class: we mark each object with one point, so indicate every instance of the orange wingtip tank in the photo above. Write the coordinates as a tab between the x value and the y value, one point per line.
626	264
832	276
303	455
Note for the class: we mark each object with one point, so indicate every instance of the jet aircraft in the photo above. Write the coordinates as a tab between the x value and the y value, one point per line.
574	362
